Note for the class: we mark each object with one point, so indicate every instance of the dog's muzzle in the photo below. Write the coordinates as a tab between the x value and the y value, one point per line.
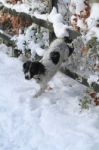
27	76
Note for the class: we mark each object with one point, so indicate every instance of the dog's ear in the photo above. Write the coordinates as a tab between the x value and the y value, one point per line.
37	68
55	56
26	64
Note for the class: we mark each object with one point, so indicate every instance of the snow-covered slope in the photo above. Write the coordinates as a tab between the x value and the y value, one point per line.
53	121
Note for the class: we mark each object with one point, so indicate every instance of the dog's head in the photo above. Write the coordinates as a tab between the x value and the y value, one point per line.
33	70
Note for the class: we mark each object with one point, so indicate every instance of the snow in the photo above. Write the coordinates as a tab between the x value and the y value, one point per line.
39	51
77	6
95	11
81	24
28	6
53	121
92	21
40	16
94	32
94	16
21	8
60	29
26	41
20	41
18	7
93	78
54	16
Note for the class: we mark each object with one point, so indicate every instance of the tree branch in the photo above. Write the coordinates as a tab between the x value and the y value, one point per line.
43	23
25	16
6	39
80	79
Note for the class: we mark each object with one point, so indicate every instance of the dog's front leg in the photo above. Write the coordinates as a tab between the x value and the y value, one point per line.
41	90
38	93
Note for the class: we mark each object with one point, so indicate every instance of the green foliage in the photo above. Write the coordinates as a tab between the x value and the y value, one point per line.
85	102
92	42
93	46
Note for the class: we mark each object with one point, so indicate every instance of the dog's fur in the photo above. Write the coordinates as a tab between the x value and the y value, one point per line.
46	68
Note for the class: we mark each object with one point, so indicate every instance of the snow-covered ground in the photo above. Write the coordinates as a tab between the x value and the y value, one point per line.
53	121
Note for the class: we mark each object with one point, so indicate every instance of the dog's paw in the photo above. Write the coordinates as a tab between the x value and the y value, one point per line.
49	88
37	94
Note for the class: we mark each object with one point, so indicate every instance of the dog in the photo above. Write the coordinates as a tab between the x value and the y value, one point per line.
43	71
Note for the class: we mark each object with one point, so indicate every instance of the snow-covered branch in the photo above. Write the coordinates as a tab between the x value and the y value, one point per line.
53	22
6	39
25	16
81	79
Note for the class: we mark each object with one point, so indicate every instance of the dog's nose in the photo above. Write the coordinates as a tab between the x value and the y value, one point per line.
27	77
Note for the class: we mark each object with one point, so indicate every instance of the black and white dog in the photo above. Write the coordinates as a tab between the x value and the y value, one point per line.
45	69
